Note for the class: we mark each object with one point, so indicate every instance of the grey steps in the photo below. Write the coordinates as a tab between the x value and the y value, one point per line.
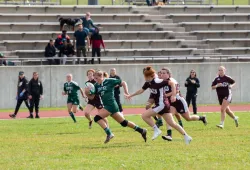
190	37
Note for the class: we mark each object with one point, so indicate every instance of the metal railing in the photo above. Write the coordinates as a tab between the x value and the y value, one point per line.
132	59
118	2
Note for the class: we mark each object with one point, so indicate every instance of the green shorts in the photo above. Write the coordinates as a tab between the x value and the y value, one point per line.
112	108
73	100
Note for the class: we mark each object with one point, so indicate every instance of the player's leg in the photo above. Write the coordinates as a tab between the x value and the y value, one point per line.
232	115
178	117
99	118
168	117
69	106
19	103
87	110
146	116
224	105
125	123
118	101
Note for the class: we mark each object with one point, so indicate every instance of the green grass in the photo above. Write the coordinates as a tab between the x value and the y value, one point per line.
61	144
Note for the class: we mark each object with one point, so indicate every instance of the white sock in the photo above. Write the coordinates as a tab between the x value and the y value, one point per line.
155	127
121	113
222	123
235	117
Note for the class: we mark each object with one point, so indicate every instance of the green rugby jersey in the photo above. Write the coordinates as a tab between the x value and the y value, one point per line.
71	88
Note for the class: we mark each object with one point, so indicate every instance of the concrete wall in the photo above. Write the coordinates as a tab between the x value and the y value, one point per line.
54	77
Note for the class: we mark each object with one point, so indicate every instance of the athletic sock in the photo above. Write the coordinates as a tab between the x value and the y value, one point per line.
72	116
155	127
159	121
169	132
180	123
201	117
138	129
155	118
107	131
222	123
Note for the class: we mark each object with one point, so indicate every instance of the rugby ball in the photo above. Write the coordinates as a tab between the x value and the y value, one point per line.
91	86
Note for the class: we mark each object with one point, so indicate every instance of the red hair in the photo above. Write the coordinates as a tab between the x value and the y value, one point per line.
90	70
148	71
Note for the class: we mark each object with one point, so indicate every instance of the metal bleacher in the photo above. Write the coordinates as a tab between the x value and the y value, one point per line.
161	33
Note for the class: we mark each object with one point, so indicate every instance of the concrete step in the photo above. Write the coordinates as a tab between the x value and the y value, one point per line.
198	46
3	48
159	20
9	53
185	37
203	51
175	29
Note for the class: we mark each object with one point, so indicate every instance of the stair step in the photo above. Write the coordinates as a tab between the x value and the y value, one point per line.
175	29
159	20
186	37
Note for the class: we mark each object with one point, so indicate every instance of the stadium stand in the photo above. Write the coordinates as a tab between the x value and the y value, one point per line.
161	33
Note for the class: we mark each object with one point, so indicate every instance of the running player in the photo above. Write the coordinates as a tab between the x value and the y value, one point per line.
156	87
105	88
180	105
223	85
71	88
96	102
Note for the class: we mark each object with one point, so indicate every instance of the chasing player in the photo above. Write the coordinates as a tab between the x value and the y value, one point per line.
223	85
71	89
156	87
95	103
105	88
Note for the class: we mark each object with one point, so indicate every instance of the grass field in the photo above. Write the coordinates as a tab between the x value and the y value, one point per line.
61	144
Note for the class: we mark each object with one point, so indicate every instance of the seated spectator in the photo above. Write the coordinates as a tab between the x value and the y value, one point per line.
96	42
50	52
2	60
67	50
60	38
87	22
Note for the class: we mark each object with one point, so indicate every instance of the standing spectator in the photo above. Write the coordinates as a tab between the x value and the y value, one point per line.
60	38
117	89
50	52
35	89
87	22
192	83
67	51
79	42
22	93
2	60
96	42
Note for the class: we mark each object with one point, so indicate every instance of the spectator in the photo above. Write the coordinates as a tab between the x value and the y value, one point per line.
79	42
87	22
50	52
2	60
22	93
67	51
192	83
60	38
96	42
35	89
151	4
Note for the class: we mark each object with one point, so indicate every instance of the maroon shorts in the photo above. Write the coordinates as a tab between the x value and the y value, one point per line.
222	97
96	102
180	105
160	109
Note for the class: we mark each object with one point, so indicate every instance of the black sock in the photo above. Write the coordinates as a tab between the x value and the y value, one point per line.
169	132
201	117
138	129
155	118
72	116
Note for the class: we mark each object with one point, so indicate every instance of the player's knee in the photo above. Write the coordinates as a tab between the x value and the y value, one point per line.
86	113
97	118
124	123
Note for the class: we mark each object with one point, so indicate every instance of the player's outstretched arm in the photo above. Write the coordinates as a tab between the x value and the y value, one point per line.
173	93
125	87
135	94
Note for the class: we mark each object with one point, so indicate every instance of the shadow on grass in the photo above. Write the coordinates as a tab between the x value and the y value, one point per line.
64	133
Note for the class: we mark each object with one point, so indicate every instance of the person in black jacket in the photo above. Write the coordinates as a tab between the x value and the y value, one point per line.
192	83
50	52
117	89
22	93
67	50
35	89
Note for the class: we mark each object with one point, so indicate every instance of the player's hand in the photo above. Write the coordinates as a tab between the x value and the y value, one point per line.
193	81
41	97
63	93
173	99
30	97
128	96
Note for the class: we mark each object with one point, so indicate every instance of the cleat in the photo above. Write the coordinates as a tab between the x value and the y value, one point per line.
13	116
90	124
187	139
236	120
37	116
80	107
220	126
157	132
167	137
30	117
109	137
144	135
204	120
